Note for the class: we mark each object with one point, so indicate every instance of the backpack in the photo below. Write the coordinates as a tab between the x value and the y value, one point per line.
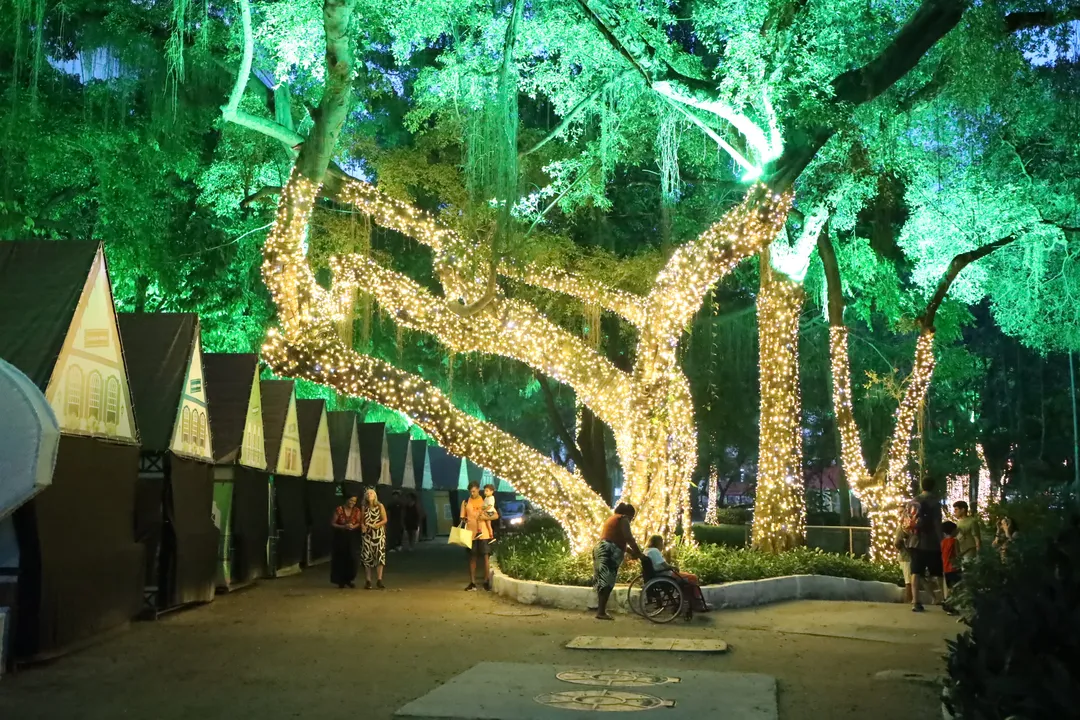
914	518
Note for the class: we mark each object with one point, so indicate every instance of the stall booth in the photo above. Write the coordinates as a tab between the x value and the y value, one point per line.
174	499
287	520
445	471
375	458
80	566
422	478
402	480
345	450
320	496
29	440
241	485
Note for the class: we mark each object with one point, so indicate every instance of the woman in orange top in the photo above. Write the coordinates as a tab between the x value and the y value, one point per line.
346	521
608	554
472	514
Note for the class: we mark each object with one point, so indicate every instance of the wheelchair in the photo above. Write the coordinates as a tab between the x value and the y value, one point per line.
658	596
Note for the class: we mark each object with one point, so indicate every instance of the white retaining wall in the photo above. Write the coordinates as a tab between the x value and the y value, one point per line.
729	595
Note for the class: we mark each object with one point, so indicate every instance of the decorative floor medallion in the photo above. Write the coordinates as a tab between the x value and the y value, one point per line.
603	701
614	678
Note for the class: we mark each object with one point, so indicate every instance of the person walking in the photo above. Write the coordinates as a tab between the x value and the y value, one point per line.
411	520
395	526
968	531
476	521
608	554
373	547
346	524
923	539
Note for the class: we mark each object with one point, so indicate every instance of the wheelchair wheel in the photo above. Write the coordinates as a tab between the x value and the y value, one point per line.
634	594
662	600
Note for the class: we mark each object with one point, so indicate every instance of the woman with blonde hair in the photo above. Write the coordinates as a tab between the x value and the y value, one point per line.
373	545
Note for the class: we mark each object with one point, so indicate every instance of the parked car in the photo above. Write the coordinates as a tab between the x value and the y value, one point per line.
513	514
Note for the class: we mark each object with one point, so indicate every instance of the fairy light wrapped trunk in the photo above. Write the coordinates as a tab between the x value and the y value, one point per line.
779	503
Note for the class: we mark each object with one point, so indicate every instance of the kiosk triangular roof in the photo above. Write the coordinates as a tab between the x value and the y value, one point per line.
421	464
234	400
315	440
445	468
399	447
277	406
165	370
345	446
58	326
41	283
373	453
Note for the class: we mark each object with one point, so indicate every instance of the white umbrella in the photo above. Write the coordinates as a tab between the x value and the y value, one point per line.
29	438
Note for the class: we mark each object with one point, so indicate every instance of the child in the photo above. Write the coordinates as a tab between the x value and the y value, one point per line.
905	560
655	553
489	511
950	561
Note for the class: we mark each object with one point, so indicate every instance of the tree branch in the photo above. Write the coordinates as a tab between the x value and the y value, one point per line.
931	22
1041	18
574	111
260	194
506	328
961	261
557	422
833	285
628	306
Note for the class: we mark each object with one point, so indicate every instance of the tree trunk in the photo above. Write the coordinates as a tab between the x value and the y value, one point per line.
779	508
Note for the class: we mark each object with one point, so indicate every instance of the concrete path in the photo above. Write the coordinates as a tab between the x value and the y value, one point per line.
300	648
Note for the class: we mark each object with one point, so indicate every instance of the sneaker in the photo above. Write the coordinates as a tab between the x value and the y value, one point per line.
491	542
487	586
918	607
352	585
380	585
470	586
367	585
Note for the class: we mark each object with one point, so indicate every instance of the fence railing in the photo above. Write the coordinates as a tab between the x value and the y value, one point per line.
849	539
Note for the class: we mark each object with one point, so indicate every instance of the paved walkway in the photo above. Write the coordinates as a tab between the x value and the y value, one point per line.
299	647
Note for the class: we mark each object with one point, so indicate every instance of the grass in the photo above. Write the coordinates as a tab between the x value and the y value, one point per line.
543	555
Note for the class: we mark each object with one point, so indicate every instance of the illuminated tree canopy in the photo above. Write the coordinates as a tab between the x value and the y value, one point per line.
524	210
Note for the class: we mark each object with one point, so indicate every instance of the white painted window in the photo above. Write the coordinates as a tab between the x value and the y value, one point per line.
185	427
202	429
94	395
112	401
73	391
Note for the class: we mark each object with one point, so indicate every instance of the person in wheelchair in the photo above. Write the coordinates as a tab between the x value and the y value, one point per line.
660	566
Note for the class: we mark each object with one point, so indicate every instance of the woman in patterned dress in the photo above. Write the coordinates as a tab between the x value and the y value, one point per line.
373	548
346	522
615	538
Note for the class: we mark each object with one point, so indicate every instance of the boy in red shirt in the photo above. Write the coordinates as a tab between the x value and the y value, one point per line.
950	561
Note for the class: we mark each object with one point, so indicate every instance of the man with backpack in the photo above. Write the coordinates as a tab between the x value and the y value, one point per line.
921	525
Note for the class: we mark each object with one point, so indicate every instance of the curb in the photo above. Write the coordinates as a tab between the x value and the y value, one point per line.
746	593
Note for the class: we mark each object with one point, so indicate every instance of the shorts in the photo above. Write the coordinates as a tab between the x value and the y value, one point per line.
926	562
952	579
480	548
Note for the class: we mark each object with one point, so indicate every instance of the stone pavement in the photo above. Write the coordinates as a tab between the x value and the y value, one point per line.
299	647
520	691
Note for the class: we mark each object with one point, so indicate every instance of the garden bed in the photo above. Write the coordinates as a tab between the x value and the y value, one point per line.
543	555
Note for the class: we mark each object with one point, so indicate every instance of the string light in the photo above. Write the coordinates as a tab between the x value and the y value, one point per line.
649	409
779	504
885	499
851	456
714	491
983	499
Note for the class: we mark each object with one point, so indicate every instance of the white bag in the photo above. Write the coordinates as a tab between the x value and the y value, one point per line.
461	536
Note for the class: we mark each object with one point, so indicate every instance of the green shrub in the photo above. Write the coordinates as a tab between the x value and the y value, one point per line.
544	556
1020	656
734	515
726	535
